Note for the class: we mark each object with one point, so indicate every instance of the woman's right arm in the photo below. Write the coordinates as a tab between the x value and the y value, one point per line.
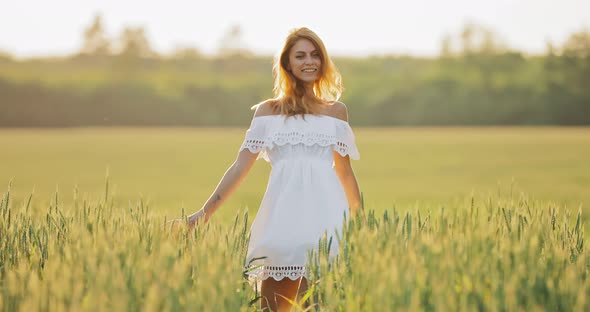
230	181
232	177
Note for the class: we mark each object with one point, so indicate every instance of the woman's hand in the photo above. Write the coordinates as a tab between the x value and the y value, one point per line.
191	221
175	225
196	218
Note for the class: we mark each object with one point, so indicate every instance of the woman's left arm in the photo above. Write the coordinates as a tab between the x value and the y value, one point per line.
344	169
346	175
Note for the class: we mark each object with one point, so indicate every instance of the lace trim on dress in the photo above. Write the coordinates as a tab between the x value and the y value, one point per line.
307	138
253	145
293	272
256	145
263	135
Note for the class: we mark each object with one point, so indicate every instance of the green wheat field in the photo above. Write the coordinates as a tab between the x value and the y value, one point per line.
457	219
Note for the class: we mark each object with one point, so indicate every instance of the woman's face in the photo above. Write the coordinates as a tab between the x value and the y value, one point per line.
305	61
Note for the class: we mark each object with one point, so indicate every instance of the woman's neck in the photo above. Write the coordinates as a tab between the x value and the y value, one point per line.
309	90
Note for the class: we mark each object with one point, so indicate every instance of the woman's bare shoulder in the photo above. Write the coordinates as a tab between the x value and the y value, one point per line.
264	108
338	110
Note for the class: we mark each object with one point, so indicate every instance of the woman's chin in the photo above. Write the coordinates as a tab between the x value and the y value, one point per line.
308	80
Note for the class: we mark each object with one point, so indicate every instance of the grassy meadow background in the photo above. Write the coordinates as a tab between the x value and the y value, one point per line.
174	168
458	219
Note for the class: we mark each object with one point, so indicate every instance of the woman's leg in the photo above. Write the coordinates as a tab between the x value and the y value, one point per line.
272	292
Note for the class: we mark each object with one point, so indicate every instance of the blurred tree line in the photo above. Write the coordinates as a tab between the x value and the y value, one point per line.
476	80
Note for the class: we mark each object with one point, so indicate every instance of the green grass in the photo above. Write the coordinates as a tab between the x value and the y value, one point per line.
174	168
458	220
500	255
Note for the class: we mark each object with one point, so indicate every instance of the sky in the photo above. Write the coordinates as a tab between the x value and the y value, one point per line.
348	28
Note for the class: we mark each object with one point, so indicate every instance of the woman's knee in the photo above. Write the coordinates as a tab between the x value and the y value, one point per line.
274	293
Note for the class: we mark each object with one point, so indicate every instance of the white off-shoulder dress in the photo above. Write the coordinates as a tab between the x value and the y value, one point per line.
304	199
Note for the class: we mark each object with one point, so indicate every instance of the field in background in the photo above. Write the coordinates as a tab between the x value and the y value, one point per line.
171	168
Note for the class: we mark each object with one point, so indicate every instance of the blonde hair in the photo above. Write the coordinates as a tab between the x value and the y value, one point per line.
290	98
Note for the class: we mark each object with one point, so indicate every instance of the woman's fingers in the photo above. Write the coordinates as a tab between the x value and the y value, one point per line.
177	226
174	226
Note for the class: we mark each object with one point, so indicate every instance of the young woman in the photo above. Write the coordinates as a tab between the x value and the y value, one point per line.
304	133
